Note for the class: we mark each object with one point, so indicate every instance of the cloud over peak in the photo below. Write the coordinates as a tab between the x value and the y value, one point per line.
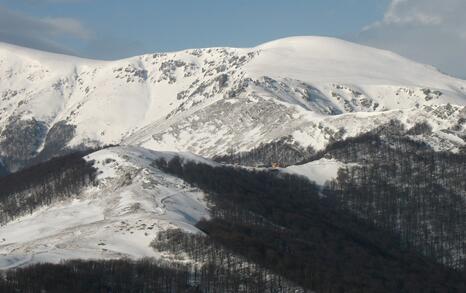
40	33
429	31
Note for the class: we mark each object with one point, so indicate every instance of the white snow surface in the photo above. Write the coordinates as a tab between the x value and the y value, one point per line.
207	101
319	171
330	60
118	218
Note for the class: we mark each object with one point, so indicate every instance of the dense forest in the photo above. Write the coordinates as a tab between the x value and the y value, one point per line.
407	188
26	190
281	223
105	276
233	273
147	275
395	182
283	152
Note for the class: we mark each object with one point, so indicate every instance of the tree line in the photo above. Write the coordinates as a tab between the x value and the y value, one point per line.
26	190
281	223
282	152
146	275
231	271
103	276
407	188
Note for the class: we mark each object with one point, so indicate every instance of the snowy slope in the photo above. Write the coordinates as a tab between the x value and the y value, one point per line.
319	171
117	218
209	101
327	60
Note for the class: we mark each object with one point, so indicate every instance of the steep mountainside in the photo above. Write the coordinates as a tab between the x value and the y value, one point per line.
302	91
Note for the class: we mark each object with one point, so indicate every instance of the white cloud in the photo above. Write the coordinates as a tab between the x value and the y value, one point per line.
429	31
54	33
71	26
408	12
427	12
40	33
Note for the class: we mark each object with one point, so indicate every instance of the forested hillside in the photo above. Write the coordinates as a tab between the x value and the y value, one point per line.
281	223
26	190
267	230
405	187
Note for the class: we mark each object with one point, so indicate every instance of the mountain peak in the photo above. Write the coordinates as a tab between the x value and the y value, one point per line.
194	99
324	59
302	41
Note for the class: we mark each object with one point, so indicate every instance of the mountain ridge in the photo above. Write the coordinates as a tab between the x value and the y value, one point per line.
167	99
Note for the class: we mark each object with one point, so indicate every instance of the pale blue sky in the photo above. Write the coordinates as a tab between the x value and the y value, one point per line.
118	28
428	31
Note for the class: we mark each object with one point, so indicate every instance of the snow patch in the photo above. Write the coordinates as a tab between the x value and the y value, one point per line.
319	171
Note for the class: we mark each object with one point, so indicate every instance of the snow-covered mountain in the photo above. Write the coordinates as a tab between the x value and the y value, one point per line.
118	217
283	102
306	91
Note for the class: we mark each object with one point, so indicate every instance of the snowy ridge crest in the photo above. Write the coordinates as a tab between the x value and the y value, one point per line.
215	100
